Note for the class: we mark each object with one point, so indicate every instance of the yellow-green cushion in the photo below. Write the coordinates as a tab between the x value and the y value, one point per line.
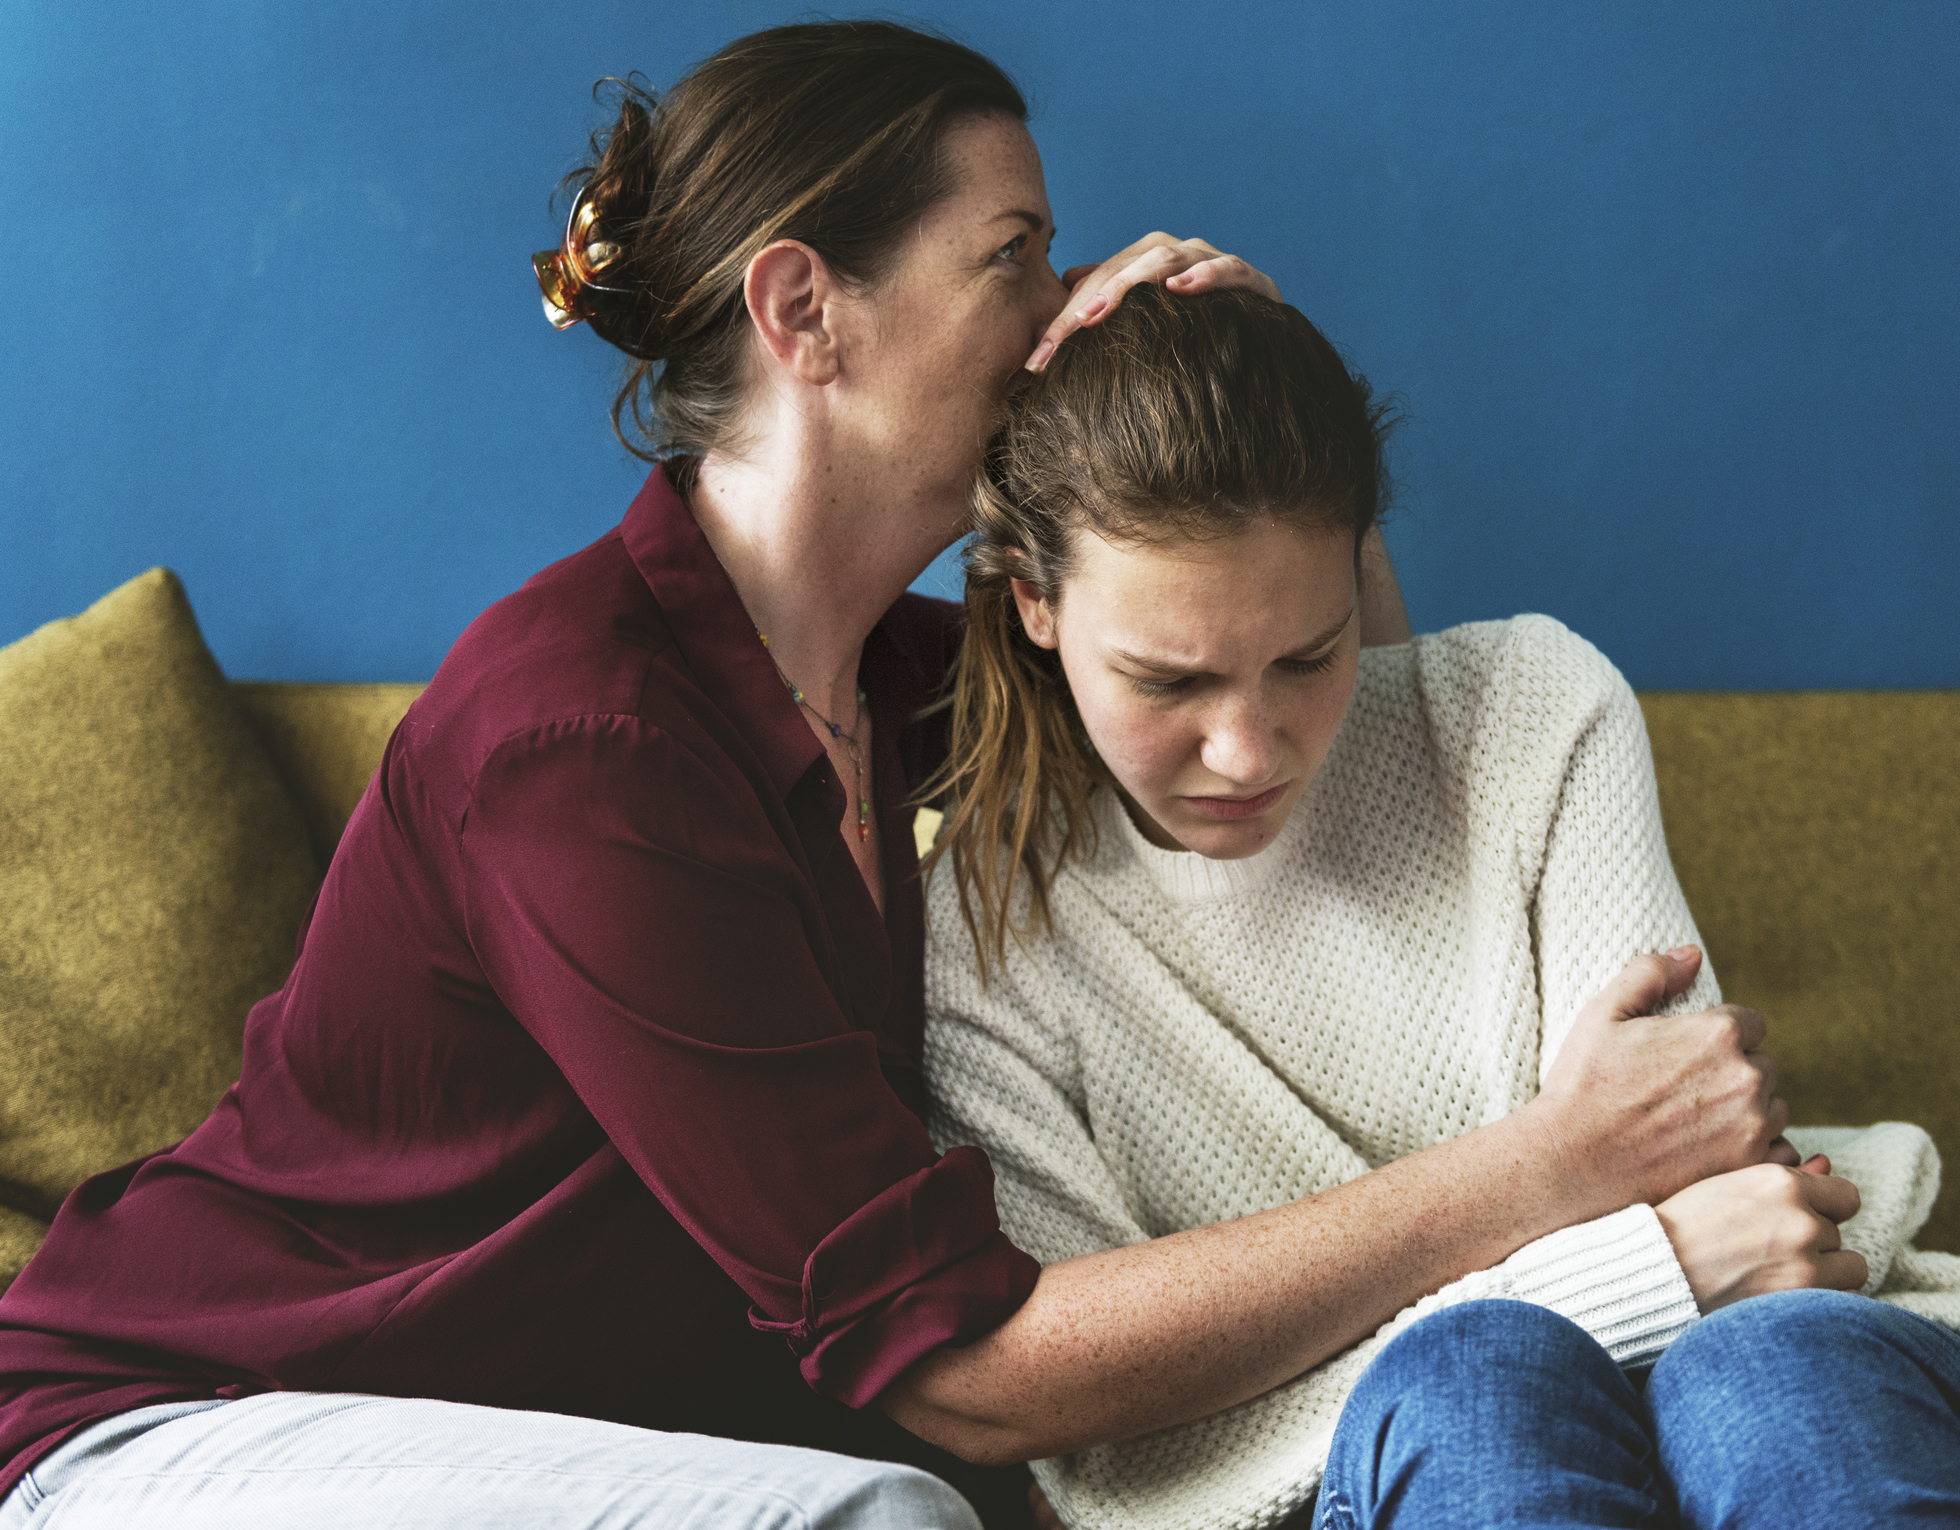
153	873
20	1235
1817	836
326	741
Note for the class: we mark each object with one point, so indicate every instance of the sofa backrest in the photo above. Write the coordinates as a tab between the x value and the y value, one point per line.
1817	836
326	741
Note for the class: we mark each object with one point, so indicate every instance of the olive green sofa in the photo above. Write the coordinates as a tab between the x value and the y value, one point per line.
161	831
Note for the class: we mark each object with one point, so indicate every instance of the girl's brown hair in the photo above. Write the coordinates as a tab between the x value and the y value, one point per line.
1176	417
827	133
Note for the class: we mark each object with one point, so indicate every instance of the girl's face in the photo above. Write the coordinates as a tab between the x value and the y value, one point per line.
1212	676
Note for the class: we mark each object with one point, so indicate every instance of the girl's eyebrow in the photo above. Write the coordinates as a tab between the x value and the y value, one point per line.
1168	666
1314	644
1161	666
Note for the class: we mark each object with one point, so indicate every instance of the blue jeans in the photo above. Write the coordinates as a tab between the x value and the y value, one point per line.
1809	1408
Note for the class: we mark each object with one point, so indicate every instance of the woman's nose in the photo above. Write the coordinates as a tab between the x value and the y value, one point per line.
1050	297
1241	743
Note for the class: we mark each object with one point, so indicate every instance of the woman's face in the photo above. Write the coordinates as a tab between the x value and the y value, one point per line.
1212	676
942	337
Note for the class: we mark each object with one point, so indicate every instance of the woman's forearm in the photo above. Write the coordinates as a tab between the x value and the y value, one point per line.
1120	1343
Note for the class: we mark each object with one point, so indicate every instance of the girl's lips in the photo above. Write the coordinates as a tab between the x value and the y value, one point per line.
1231	809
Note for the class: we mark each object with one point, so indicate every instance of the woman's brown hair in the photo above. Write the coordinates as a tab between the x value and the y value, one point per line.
1175	418
827	133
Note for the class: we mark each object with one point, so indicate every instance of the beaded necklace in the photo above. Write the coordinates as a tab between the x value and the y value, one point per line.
849	740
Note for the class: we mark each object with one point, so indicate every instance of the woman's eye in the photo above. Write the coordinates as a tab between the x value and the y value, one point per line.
1157	689
1011	251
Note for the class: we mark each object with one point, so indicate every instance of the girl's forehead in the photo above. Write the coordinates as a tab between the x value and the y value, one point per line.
1269	583
1265	553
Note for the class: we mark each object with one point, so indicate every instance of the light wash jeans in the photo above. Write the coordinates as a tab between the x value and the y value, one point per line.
1808	1408
312	1461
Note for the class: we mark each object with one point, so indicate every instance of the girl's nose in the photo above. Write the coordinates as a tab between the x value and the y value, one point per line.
1241	743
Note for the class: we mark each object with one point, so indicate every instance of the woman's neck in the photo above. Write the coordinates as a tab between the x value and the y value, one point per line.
817	550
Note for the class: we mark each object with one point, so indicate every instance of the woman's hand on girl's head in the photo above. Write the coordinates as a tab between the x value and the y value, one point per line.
1183	266
1762	1229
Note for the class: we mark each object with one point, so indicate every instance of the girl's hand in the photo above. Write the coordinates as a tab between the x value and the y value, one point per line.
1762	1229
1646	1105
1182	265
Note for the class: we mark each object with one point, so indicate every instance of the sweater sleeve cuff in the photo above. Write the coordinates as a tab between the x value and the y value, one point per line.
1616	1277
922	1265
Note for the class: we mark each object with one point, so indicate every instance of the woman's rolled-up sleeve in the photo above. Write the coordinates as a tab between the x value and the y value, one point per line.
641	916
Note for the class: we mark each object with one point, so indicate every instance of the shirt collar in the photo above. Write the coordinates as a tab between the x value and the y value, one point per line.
713	630
717	639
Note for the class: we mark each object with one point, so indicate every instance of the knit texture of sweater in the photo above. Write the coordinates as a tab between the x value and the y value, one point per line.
1200	1039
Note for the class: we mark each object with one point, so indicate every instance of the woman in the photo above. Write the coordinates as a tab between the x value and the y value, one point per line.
1238	926
588	1109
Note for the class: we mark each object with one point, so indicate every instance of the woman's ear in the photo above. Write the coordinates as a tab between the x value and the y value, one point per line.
1037	617
790	290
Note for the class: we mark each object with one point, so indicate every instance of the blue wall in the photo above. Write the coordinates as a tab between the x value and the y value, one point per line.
1669	290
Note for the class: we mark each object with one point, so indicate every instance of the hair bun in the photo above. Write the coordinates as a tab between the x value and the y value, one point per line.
587	278
828	133
571	279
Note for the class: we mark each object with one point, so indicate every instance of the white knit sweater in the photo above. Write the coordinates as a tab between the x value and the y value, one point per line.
1203	1039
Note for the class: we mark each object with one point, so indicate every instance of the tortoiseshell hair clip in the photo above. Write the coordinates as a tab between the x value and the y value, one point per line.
567	275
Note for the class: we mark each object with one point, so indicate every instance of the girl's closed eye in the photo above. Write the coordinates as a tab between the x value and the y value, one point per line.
1173	685
1158	689
1318	665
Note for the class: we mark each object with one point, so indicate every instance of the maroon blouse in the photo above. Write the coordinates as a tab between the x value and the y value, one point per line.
594	1087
